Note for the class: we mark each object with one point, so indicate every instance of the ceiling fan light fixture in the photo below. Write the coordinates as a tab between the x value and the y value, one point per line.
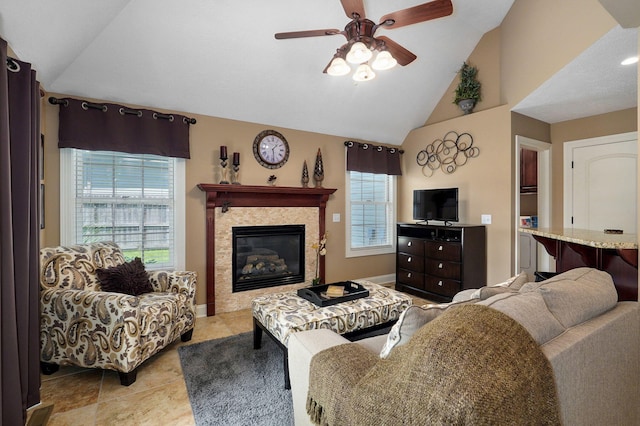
338	67
364	73
359	53
384	61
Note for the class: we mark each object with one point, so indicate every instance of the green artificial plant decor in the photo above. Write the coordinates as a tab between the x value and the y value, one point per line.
467	94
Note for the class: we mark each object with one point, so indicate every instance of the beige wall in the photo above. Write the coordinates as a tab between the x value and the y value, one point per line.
205	139
483	182
486	57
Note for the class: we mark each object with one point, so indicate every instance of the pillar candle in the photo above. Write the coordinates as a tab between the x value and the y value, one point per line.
223	152
236	158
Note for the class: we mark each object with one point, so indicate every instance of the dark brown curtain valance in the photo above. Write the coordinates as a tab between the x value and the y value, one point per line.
367	158
112	127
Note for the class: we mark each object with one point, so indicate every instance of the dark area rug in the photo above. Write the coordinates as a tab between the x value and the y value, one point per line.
230	383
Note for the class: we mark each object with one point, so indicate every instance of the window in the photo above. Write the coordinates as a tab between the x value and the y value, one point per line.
136	200
371	214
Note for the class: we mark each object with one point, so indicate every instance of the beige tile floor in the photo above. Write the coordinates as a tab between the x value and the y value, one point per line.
158	396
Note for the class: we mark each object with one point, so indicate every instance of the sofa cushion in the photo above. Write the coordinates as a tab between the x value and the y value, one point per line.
579	295
530	310
484	293
516	282
410	321
128	278
512	284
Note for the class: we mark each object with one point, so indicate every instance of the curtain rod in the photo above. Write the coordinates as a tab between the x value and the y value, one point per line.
122	110
366	146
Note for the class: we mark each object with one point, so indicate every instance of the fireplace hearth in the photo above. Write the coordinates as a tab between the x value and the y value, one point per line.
267	256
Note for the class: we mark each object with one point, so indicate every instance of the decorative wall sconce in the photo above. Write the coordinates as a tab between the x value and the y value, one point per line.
448	153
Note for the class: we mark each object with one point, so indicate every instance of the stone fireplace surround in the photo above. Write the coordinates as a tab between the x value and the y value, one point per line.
253	206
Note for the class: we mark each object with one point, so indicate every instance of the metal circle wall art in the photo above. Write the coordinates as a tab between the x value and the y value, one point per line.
448	153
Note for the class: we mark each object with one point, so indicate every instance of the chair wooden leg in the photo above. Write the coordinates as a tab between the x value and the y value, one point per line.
185	337
127	379
48	368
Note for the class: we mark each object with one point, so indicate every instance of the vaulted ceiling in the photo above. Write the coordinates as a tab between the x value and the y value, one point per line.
220	58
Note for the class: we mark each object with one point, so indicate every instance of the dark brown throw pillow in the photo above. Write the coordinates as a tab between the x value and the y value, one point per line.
128	278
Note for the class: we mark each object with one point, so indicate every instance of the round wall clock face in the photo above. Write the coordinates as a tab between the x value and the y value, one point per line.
271	149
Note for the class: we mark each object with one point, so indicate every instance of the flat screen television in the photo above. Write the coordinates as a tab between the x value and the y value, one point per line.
435	204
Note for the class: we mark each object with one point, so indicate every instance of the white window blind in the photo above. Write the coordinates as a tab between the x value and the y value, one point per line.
371	215
126	198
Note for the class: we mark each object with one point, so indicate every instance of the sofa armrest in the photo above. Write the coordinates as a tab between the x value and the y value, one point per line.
597	368
84	322
173	281
302	346
180	282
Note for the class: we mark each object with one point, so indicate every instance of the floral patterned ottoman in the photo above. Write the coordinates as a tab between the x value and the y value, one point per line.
281	314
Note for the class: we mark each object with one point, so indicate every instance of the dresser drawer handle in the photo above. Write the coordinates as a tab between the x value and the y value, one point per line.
409	244
440	283
440	266
409	260
409	275
440	248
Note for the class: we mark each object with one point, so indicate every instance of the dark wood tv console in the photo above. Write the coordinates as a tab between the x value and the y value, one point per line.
435	261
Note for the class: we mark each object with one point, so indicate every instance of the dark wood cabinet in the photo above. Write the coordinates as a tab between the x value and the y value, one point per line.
528	171
435	261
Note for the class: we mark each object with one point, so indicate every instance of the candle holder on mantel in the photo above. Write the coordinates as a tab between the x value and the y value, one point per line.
224	171
236	169
235	174
223	163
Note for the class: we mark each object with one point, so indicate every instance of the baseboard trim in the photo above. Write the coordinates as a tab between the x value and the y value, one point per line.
201	310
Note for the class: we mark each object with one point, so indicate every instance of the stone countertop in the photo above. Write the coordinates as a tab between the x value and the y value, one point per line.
586	237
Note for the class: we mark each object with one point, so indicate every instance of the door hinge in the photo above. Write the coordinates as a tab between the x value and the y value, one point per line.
572	164
572	220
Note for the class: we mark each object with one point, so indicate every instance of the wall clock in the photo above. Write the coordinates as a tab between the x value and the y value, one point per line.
271	149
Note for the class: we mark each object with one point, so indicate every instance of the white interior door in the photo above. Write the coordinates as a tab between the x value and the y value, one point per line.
602	183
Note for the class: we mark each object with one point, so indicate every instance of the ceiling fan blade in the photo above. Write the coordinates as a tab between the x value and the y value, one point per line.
353	6
402	55
413	15
310	33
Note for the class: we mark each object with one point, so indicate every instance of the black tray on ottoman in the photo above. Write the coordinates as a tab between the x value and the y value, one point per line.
317	294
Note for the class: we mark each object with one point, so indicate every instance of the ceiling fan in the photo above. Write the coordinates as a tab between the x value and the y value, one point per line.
361	41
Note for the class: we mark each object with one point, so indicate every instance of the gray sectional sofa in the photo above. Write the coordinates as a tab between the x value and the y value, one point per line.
591	340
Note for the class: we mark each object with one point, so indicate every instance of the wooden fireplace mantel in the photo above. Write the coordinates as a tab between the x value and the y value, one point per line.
229	196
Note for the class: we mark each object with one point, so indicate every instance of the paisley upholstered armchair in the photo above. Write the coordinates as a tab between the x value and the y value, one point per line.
82	324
